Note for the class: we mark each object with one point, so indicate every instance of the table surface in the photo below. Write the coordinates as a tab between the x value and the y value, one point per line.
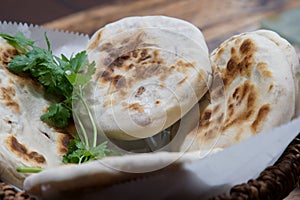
217	19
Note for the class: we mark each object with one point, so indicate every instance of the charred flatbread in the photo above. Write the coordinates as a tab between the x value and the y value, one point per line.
150	71
255	86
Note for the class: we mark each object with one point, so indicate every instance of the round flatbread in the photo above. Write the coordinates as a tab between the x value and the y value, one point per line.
24	139
83	181
150	71
292	58
254	88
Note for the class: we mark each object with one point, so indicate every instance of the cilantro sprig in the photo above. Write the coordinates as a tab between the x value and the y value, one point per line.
65	79
77	152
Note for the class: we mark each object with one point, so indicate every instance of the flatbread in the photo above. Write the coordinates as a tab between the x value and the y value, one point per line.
150	72
85	180
254	90
292	58
24	139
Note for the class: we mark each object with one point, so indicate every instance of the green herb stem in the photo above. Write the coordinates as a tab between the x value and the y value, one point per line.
29	169
84	134
90	116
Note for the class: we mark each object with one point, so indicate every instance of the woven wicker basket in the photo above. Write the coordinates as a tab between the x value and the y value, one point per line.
275	182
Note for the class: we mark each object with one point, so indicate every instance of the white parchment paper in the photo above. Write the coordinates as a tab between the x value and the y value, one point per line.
61	42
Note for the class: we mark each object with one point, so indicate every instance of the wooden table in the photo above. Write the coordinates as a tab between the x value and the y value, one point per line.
217	19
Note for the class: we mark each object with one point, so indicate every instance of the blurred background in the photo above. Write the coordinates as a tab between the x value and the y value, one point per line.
217	19
39	12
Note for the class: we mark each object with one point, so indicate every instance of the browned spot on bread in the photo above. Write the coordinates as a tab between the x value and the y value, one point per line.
144	55
245	65
251	99
230	123
231	65
233	51
230	109
22	152
181	81
107	61
236	93
7	96
136	107
182	63
140	91
239	64
220	52
247	46
6	54
206	115
161	85
244	95
217	87
241	92
263	68
128	44
147	71
204	120
157	102
119	61
271	87
138	64
96	41
37	157
261	115
210	134
249	113
119	82
202	76
63	142
104	75
134	54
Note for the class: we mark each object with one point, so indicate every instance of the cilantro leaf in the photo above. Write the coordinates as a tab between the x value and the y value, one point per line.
21	43
77	152
57	114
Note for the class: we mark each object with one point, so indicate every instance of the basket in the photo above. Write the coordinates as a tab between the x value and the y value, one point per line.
8	192
275	182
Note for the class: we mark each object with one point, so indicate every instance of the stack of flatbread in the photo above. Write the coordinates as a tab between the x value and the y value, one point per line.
24	139
151	72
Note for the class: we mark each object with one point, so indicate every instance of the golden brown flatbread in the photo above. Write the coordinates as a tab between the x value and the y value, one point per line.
254	89
150	72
